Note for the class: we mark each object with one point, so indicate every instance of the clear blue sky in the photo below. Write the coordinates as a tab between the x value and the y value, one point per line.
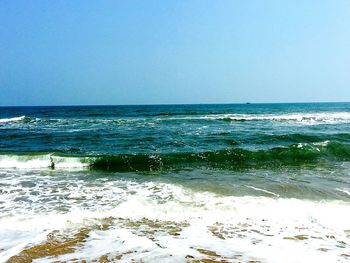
151	52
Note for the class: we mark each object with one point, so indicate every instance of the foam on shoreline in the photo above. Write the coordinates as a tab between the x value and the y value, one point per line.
156	221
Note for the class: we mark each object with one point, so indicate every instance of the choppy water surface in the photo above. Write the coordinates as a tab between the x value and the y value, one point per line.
179	183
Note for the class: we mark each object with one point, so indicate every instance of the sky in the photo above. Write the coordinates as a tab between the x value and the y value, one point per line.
86	52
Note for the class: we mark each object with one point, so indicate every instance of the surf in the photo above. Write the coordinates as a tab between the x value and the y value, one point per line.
150	221
233	158
40	161
4	120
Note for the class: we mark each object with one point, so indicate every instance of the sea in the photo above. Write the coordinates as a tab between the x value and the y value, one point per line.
175	183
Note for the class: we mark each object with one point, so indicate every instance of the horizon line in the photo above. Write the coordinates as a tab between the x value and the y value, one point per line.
169	104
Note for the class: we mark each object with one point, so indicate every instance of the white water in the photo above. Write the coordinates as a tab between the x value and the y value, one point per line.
235	228
41	161
303	118
12	119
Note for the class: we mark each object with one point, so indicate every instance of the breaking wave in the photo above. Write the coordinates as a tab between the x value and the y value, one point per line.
39	161
305	118
234	158
12	119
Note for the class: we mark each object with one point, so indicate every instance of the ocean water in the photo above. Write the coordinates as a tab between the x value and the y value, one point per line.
175	183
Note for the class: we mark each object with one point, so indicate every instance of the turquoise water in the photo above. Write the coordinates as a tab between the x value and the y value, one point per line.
243	181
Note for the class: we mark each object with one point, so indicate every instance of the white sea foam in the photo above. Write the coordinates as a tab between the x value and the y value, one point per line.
304	118
12	119
143	217
41	161
298	117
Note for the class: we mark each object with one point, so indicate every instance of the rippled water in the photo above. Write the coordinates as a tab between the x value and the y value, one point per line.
179	183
